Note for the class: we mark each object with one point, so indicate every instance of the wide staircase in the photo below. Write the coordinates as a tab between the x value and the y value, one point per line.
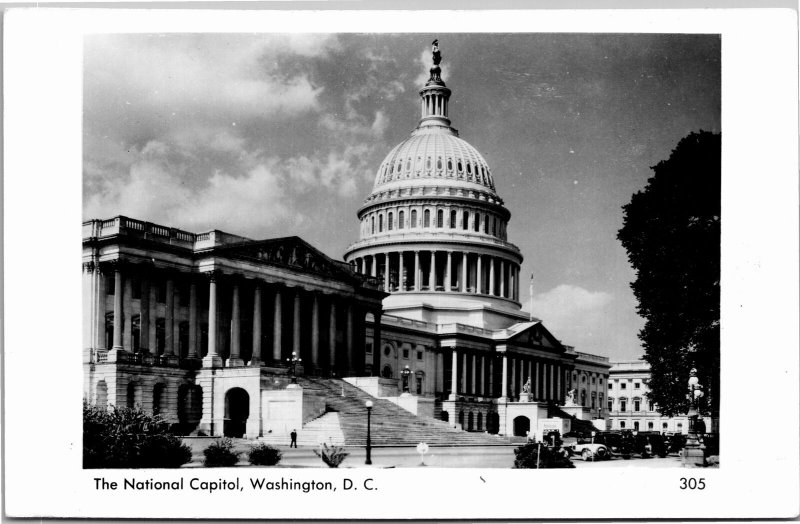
390	425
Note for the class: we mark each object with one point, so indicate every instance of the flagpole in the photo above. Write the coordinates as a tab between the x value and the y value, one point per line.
530	290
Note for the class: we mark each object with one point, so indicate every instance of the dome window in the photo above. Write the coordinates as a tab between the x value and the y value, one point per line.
449	165
380	223
399	166
428	164
401	219
453	218
477	223
465	222
486	224
373	225
413	218
389	218
426	218
439	164
460	167
390	169
469	168
440	218
408	165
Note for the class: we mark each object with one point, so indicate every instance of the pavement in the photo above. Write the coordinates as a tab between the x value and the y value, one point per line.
405	457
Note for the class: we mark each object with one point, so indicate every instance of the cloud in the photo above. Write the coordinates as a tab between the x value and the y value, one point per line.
338	171
574	314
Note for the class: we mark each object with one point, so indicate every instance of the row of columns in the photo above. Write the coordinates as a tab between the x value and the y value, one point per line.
122	291
434	104
496	277
414	218
472	373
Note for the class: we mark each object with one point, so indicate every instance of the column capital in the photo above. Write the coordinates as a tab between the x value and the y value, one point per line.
89	267
213	275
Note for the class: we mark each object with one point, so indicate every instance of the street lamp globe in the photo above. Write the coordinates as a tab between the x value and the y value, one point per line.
369	404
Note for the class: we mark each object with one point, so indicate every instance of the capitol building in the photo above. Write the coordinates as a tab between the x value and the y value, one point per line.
222	334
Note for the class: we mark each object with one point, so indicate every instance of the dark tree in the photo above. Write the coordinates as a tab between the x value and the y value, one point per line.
671	231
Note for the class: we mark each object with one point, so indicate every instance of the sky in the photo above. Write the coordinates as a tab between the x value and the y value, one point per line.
268	135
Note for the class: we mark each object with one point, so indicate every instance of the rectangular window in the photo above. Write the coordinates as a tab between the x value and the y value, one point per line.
649	425
419	355
592	380
623	386
622	424
623	405
368	347
610	405
635	385
636	405
650	406
610	385
405	353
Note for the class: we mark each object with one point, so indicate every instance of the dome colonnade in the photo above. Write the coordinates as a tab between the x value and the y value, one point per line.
434	222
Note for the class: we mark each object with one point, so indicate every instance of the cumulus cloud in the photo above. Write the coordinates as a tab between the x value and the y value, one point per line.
574	314
337	172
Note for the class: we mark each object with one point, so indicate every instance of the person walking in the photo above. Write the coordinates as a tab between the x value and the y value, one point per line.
293	434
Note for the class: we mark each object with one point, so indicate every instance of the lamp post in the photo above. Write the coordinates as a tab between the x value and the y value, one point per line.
369	441
406	373
693	454
293	360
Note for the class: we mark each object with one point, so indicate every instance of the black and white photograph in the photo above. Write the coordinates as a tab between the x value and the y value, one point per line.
321	263
289	240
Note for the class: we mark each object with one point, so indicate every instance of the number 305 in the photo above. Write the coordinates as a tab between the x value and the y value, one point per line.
692	483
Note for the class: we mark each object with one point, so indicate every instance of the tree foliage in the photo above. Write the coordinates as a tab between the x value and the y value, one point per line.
671	231
129	438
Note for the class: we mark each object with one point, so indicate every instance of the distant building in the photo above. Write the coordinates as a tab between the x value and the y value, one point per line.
629	406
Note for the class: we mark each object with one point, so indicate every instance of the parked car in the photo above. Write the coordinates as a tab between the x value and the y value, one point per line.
675	442
618	443
648	444
581	445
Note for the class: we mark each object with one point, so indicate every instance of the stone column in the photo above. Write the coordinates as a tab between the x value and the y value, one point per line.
100	313
212	358
464	272
376	353
474	384
401	286
127	315
296	324
479	276
332	335
491	275
550	382
192	353
235	359
350	341
454	378
504	382
502	278
153	319
277	328
315	332
490	380
255	359
417	285
464	378
513	377
144	316
449	278
484	381
117	342
432	273
386	272
374	268
169	318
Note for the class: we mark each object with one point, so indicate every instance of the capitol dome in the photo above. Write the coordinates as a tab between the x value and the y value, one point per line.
434	153
433	228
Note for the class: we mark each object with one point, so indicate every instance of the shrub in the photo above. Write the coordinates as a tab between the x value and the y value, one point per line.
263	455
220	454
129	438
527	456
331	455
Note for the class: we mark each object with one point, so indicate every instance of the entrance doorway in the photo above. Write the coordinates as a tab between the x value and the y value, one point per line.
522	425
237	409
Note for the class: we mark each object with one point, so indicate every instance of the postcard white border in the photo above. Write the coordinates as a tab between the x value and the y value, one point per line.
43	375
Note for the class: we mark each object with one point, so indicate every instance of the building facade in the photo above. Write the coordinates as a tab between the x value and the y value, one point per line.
629	406
425	310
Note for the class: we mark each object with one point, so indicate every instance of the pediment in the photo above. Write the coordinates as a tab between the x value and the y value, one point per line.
534	334
290	252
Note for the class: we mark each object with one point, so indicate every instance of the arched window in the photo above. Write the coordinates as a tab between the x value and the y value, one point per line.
440	218
413	218
428	164
389	218
426	218
480	422
373	225
408	165
637	404
636	426
477	224
465	223
610	404
623	404
486	224
380	223
387	372
401	219
453	218
469	168
439	164
460	167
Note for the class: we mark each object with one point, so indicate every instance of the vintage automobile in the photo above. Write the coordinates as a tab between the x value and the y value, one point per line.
618	443
583	446
649	443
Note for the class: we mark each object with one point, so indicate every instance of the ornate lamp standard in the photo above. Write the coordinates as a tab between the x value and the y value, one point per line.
369	441
693	454
293	366
406	373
